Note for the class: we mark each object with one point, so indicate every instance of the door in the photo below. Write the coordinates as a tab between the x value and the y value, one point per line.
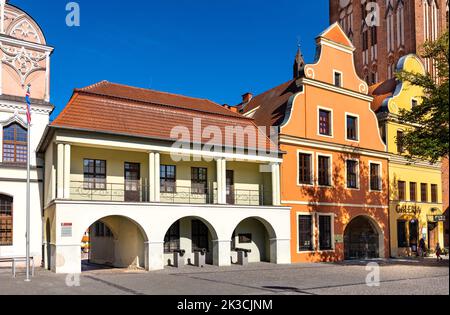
132	182
230	188
414	235
433	235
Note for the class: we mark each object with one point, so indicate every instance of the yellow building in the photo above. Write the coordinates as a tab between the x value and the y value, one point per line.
415	198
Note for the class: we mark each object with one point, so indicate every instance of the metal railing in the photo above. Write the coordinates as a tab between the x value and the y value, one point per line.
128	191
139	191
188	195
248	197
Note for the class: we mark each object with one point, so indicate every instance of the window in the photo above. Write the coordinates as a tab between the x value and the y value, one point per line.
324	171
168	178
94	174
352	174
305	169
6	220
199	235
245	238
199	180
414	103
305	233
352	128
434	193
325	237
172	238
375	177
401	234
413	191
373	33
338	79
101	230
15	141
400	138
325	122
424	192
401	190
365	40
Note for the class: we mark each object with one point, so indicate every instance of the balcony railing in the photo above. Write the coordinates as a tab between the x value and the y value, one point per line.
129	191
139	191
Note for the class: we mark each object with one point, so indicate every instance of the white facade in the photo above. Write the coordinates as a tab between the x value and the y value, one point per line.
139	228
24	59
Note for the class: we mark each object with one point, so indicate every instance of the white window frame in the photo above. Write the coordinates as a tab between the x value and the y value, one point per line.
313	232
380	176
333	236
311	168
358	175
319	108
357	127
334	78
330	170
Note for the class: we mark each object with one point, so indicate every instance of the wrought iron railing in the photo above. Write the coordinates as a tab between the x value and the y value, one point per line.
129	191
139	191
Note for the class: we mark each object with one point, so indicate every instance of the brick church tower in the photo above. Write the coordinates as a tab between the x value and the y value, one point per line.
385	30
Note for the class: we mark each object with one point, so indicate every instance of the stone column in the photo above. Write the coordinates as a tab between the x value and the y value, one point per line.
151	176
221	181
276	191
157	178
155	256
60	171
67	161
280	251
66	259
222	253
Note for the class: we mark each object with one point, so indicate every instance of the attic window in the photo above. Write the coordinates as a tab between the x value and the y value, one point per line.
338	79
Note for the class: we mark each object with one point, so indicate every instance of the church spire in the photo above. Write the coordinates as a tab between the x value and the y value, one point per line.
299	63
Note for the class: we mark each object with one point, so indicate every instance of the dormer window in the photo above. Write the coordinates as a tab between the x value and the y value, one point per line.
337	79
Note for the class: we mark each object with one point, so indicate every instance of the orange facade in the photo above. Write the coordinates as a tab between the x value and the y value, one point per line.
330	131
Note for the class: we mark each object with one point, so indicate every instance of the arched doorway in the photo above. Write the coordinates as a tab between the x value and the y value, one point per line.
253	234
362	239
190	234
114	242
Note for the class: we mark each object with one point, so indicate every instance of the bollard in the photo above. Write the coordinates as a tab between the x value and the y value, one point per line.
178	258
243	256
200	258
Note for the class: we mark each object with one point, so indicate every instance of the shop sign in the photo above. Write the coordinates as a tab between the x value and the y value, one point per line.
439	218
408	209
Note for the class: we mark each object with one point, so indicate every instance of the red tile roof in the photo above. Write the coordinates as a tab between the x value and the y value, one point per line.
271	105
380	92
113	108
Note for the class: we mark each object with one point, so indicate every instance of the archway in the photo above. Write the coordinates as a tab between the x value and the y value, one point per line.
362	239
253	234
114	242
190	234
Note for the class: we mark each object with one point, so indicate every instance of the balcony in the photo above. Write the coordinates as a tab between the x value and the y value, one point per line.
139	192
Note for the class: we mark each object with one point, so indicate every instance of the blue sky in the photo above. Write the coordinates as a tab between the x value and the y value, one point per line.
203	48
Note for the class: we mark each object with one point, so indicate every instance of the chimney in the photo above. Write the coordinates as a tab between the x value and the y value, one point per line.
247	97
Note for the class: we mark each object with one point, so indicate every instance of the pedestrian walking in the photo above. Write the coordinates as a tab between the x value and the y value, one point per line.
422	247
438	252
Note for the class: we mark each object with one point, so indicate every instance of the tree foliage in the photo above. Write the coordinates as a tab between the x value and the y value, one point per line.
428	138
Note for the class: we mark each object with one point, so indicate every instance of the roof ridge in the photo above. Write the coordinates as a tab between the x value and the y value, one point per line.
152	90
230	114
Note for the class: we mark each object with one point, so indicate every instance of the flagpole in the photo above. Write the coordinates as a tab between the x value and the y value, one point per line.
28	278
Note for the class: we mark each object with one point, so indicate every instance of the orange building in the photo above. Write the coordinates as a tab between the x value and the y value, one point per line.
335	169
